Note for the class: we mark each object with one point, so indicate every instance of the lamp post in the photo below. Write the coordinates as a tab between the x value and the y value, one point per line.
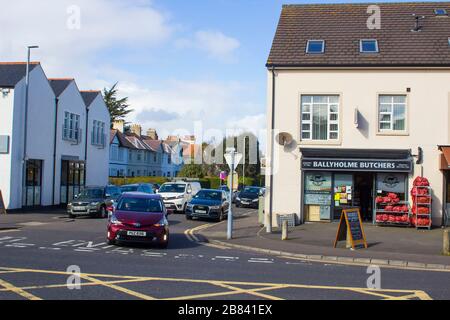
27	86
233	158
243	166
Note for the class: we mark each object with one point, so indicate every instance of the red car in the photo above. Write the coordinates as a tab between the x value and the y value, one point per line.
139	218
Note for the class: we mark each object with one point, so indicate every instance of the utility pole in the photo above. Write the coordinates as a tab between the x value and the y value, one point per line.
243	166
27	86
233	158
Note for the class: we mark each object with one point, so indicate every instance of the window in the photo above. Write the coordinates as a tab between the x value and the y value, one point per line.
98	133
71	127
315	46
155	159
440	12
320	118
369	46
392	113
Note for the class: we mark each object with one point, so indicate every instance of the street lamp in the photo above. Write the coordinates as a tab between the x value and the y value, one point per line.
27	86
233	158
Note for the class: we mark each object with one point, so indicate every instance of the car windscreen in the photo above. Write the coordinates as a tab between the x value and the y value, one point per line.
251	190
91	193
172	188
129	188
139	205
209	195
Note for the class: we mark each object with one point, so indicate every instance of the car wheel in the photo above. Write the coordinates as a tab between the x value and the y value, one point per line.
103	214
221	217
111	242
71	216
188	217
184	208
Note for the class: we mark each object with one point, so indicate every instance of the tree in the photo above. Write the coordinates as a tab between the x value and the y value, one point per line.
192	171
118	107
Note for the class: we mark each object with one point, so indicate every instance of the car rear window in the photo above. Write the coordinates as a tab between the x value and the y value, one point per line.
209	195
139	205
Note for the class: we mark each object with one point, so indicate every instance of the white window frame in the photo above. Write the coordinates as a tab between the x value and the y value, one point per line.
316	40
377	50
391	129
71	126
330	122
98	133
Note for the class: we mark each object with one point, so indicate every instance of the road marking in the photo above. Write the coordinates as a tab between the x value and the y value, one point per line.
18	291
46	248
64	243
20	245
225	258
10	230
260	286
260	260
254	293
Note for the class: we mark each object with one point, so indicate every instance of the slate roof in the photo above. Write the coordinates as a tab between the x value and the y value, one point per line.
342	26
59	85
12	72
89	96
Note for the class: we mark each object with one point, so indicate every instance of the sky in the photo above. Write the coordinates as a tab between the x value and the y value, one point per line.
187	66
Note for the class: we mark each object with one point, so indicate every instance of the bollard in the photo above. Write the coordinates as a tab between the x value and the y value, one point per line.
284	230
447	242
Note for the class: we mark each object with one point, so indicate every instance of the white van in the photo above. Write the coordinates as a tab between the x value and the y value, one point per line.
178	193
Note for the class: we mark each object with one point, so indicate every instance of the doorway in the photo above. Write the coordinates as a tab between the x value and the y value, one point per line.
363	196
32	192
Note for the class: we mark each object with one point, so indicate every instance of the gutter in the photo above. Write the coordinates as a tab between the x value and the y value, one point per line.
355	66
272	151
54	150
86	144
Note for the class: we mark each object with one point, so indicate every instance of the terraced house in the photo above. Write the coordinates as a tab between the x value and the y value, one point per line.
133	154
50	147
359	97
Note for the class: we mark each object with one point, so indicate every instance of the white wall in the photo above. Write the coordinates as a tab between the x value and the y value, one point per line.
428	121
70	100
6	129
98	157
40	129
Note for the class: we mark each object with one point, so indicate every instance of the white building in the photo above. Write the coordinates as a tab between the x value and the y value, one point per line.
364	111
55	141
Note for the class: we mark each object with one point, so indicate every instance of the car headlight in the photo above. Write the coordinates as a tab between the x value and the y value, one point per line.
180	197
215	207
115	221
238	199
189	206
163	222
255	200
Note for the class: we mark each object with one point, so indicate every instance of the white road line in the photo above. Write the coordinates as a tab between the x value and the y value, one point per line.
20	245
63	243
45	248
107	247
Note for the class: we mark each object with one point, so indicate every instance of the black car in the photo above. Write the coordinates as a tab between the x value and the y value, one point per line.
93	201
249	197
211	204
138	187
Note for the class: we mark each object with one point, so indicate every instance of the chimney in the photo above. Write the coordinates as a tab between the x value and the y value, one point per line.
136	129
118	125
151	133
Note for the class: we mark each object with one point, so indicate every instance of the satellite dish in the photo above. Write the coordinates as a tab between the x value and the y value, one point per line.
284	138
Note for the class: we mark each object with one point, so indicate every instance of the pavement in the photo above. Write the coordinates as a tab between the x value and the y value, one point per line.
393	246
52	257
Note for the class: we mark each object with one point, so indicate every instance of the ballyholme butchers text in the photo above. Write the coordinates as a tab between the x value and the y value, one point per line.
354	165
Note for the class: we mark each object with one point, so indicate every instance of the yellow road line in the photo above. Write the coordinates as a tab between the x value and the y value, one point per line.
18	291
250	292
219	294
118	288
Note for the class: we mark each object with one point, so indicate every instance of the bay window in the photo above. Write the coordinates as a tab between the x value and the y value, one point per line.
320	118
392	113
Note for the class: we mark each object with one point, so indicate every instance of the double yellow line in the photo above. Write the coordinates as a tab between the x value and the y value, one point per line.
190	234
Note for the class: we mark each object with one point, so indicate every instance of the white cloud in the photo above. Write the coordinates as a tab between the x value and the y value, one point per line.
216	44
104	25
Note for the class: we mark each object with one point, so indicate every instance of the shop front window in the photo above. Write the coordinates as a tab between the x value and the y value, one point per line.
318	195
343	193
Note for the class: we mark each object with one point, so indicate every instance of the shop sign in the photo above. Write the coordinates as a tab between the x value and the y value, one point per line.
351	228
358	165
318	199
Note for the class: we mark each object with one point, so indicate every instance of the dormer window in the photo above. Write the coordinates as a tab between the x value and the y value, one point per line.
315	46
369	46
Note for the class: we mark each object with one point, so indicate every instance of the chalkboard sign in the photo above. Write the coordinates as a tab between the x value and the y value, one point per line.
351	225
2	204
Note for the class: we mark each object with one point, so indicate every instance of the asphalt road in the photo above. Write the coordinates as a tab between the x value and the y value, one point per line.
35	260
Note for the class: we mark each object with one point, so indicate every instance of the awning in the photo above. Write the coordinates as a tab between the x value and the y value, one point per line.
445	157
373	160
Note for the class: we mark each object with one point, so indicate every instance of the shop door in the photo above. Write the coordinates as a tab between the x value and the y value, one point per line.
363	194
32	192
343	193
72	179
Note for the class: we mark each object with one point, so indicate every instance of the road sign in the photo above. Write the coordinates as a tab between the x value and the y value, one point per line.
233	159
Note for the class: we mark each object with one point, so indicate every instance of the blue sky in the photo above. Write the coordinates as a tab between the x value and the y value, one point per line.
179	61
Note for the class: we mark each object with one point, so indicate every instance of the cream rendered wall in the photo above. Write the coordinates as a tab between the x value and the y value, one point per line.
97	169
427	114
6	129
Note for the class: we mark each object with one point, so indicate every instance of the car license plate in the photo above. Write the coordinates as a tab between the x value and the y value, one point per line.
137	233
79	208
245	202
200	211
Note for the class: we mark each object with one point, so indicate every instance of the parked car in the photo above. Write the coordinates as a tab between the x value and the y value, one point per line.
139	218
138	187
208	203
224	188
177	194
249	197
93	201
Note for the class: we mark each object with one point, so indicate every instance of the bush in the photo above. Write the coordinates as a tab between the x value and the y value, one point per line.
132	180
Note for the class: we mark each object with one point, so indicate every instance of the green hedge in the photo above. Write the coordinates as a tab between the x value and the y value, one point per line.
206	183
